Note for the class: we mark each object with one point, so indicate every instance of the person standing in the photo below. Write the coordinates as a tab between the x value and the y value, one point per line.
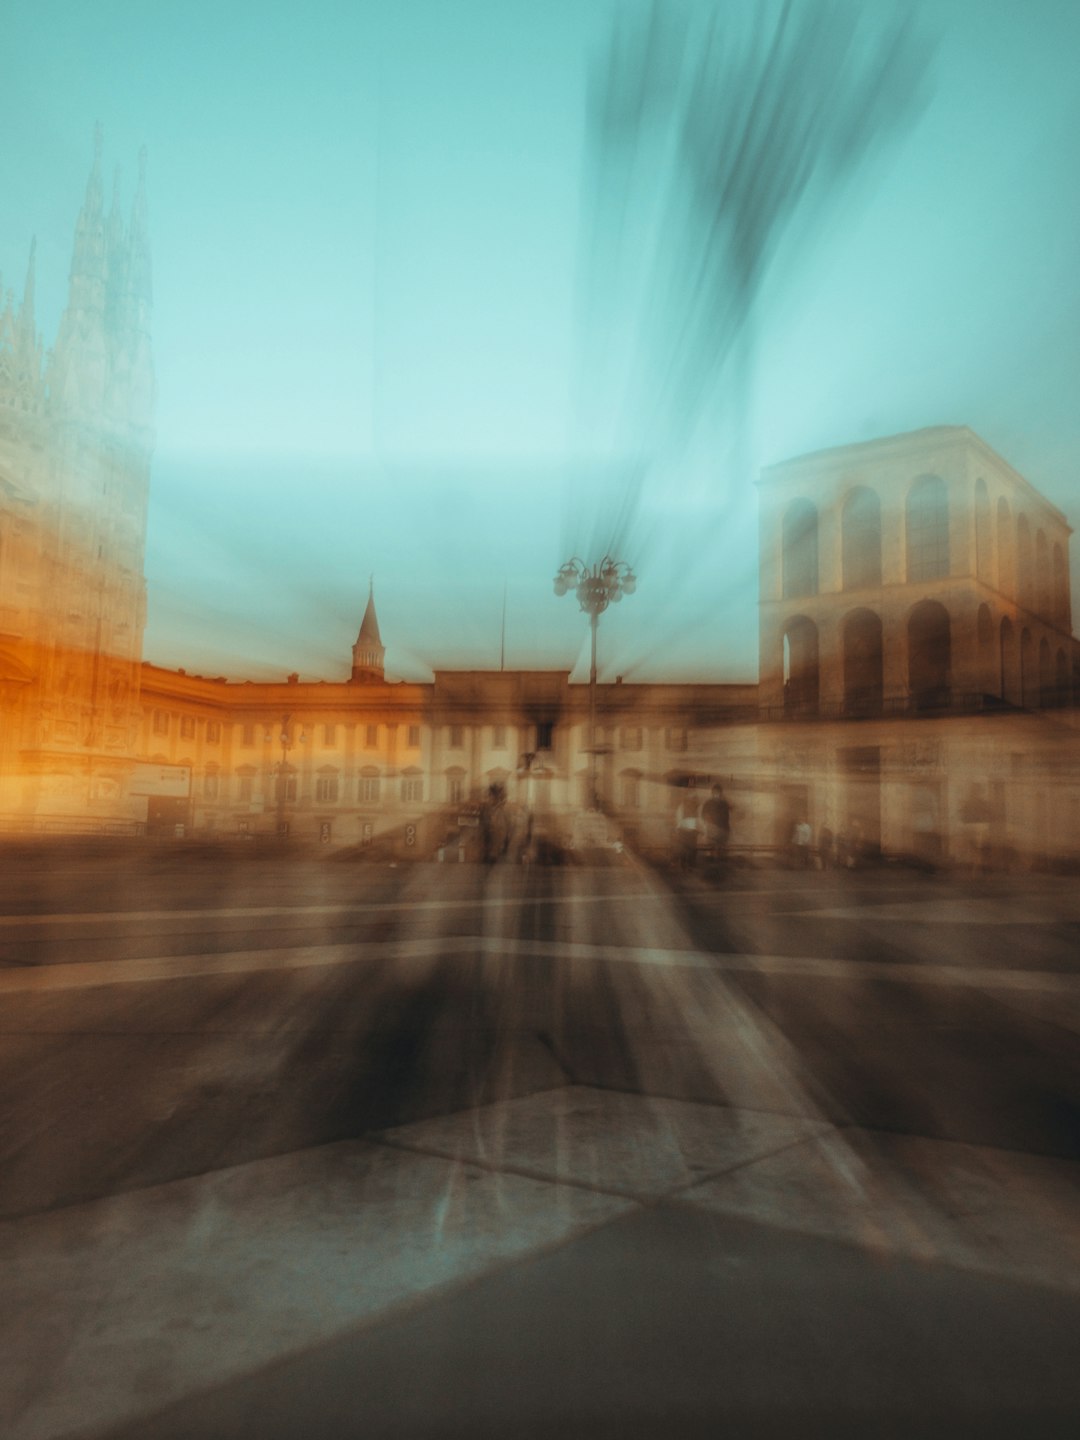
686	831
716	813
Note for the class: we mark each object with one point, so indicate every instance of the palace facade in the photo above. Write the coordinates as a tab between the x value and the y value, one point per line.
918	674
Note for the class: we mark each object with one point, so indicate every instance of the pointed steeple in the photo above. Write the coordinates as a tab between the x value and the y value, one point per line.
26	329
139	251
88	257
137	303
26	346
369	651
7	343
369	626
20	348
115	258
77	371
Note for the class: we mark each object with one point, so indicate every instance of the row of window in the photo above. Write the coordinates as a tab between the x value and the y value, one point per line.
929	661
630	737
161	724
328	788
411	790
1028	569
1009	669
927	535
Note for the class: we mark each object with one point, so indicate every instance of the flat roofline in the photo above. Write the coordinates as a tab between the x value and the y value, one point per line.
913	440
495	670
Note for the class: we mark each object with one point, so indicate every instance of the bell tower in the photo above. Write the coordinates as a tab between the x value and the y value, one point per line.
369	652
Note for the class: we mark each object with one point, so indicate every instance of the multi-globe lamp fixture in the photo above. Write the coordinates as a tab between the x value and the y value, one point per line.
596	587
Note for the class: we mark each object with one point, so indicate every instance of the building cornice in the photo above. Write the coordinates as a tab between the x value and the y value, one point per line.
936	437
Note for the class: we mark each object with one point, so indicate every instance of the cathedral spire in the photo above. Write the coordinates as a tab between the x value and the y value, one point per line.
20	350
26	347
77	370
26	330
138	290
88	256
369	651
139	247
115	256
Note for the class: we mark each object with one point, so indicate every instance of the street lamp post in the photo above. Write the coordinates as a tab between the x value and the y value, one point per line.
596	586
282	769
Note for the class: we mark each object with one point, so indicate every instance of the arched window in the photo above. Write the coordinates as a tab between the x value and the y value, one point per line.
1006	557
801	682
286	783
1043	575
800	549
1029	678
984	543
1025	564
929	655
1010	664
455	785
863	666
327	786
861	539
927	529
984	635
412	785
630	789
1061	607
1046	675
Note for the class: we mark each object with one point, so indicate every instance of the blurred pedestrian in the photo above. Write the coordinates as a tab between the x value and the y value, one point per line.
494	828
686	831
716	815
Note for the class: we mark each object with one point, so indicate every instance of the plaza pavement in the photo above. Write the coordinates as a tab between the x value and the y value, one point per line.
560	1256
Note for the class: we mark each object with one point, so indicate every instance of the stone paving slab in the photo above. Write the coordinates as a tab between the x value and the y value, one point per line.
632	1145
676	1324
121	1308
1008	1214
118	1307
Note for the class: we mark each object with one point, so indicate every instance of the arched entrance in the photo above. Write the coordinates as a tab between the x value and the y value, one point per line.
929	656
863	664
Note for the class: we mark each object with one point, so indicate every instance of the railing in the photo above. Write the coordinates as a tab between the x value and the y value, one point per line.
927	703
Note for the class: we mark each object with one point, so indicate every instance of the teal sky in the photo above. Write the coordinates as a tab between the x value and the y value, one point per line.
373	352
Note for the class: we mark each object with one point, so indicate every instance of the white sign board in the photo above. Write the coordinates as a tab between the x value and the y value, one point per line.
174	780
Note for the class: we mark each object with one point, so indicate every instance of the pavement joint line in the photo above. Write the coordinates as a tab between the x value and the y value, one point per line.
96	917
395	1312
524	1172
714	1104
93	973
824	1128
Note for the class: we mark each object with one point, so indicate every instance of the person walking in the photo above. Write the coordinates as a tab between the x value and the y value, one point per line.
686	831
800	843
716	814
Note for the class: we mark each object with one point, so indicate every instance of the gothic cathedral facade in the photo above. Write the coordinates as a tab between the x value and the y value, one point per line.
76	437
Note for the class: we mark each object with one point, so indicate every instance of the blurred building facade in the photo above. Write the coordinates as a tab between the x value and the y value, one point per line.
76	436
916	696
918	673
918	678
